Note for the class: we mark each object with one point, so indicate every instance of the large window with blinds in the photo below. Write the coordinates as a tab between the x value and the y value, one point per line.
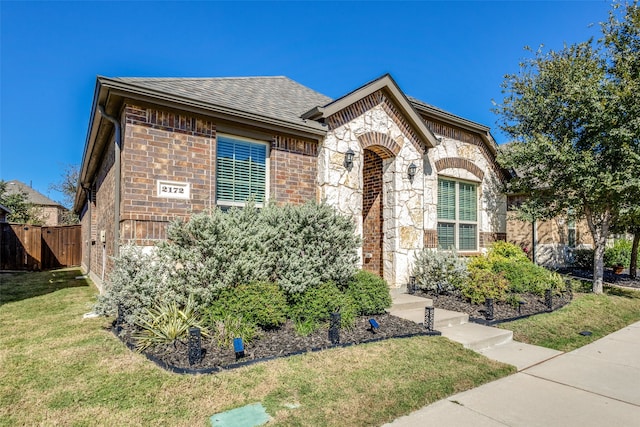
241	171
457	215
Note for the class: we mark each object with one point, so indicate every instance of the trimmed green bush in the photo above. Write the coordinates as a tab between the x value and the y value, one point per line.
439	271
618	254
314	306
261	303
369	292
583	258
507	250
483	284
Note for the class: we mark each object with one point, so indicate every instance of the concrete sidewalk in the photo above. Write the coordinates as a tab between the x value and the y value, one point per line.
595	385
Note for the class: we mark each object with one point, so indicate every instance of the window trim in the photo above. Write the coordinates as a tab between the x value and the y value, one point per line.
267	174
457	221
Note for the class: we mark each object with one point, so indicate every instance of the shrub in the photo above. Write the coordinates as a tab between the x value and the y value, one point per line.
261	303
167	323
583	258
224	330
138	281
507	250
316	304
307	245
483	284
618	254
369	292
519	272
439	270
216	250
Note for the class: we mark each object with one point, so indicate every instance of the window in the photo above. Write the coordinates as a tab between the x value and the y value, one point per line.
571	229
241	171
457	215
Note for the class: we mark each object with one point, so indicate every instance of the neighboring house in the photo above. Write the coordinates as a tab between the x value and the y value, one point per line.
4	211
552	241
51	212
412	176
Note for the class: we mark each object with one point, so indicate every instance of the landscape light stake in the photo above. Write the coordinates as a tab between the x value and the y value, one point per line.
195	346
548	300
412	285
334	328
429	318
489	311
119	319
238	348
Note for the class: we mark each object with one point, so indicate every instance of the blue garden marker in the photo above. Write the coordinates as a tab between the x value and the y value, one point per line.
238	347
374	325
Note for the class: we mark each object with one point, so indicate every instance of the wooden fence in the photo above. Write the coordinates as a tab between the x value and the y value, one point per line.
32	247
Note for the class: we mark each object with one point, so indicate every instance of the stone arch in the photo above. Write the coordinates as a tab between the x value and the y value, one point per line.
379	143
459	163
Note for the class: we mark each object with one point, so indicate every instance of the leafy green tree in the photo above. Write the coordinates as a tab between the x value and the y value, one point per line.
573	114
67	185
22	211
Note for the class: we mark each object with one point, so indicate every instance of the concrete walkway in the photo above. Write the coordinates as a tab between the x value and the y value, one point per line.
595	385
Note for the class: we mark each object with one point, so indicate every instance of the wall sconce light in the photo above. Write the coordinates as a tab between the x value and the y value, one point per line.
412	171
348	159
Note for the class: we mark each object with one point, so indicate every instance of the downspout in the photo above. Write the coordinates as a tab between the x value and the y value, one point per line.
87	191
117	179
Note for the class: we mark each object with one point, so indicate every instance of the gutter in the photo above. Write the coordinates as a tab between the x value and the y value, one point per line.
117	179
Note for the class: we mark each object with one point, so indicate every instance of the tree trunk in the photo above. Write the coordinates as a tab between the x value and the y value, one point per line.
633	265
599	227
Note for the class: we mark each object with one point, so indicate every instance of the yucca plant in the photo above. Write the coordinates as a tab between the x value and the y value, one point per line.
167	323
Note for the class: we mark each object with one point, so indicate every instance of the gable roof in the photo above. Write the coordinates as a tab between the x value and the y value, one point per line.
5	209
386	83
33	196
278	98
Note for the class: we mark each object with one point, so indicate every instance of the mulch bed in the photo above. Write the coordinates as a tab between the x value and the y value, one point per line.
609	277
280	342
502	311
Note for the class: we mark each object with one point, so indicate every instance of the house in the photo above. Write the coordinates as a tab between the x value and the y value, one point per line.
412	176
550	242
49	211
4	211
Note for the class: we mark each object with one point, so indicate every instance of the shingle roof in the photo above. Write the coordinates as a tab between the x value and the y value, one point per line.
33	196
275	97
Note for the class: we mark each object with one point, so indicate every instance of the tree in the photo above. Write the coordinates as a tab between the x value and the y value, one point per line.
573	115
22	211
67	185
629	222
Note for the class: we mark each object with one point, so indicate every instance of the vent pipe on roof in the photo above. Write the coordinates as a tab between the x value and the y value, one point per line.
117	178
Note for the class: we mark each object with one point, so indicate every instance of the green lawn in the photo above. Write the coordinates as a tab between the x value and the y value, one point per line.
58	368
599	314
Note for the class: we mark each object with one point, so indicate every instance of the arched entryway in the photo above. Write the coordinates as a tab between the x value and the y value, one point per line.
372	213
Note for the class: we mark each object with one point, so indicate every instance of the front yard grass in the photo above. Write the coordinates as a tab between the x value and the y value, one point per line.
598	314
58	368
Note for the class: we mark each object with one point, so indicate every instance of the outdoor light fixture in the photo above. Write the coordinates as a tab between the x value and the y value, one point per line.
238	348
374	325
348	159
412	171
429	321
548	299
489	309
194	346
412	285
334	328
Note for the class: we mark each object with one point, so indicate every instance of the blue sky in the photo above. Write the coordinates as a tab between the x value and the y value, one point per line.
451	54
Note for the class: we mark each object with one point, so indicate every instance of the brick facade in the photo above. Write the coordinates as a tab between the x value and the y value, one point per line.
372	210
293	170
459	163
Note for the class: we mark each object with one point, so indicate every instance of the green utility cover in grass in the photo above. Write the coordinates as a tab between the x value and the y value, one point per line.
247	416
